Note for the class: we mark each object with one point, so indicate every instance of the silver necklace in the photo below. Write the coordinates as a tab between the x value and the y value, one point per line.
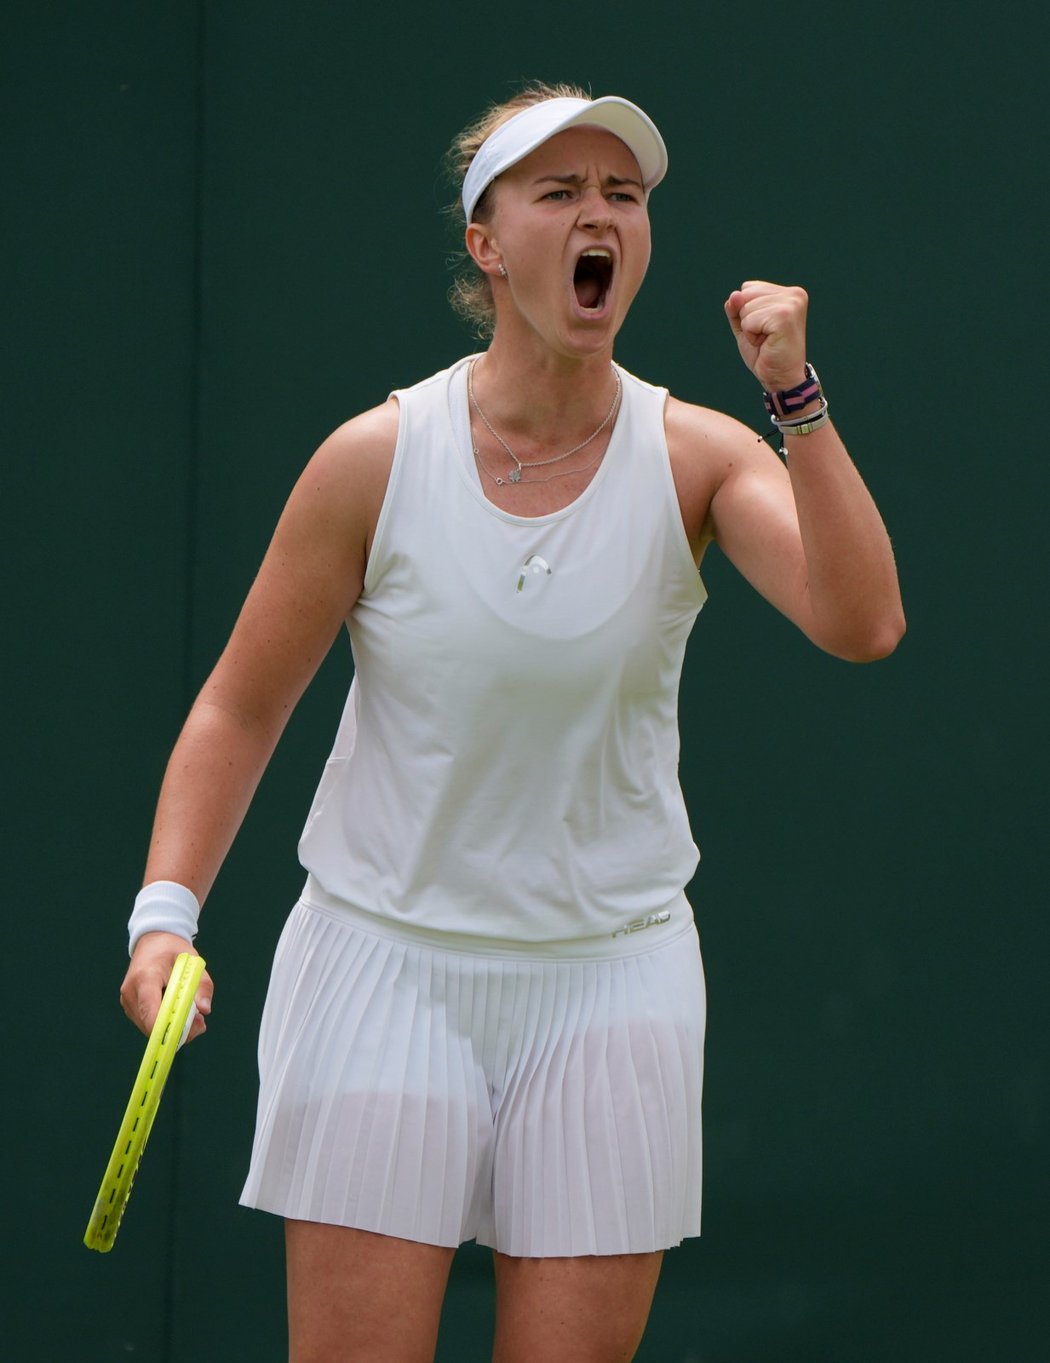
521	464
562	473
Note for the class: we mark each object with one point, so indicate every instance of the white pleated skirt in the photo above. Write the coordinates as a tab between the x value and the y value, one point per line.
542	1107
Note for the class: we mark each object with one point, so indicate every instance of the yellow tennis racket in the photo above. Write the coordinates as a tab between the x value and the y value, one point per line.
170	1030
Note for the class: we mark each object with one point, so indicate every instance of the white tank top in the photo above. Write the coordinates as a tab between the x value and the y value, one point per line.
506	767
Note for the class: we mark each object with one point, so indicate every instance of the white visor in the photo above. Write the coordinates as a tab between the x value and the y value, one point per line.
514	140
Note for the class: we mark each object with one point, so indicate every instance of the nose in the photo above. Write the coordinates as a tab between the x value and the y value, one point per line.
594	209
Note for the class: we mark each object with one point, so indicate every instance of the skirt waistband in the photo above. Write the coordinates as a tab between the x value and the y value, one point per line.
647	933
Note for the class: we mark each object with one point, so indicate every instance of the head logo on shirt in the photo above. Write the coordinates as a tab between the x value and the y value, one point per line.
534	566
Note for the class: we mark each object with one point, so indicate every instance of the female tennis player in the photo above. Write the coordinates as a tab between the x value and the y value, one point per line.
486	1013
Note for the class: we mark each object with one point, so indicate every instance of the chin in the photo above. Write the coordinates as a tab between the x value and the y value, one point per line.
595	333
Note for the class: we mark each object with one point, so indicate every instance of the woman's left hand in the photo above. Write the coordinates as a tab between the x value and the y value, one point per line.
769	323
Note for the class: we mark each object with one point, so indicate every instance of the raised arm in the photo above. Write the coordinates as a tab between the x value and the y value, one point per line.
807	536
309	579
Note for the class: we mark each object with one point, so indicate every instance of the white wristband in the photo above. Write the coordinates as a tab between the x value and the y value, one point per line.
163	906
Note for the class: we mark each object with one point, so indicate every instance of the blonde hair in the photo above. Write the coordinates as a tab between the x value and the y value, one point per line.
471	291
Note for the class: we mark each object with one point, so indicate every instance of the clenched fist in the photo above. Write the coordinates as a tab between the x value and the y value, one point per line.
769	323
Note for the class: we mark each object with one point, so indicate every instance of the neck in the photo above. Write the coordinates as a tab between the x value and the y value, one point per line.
543	396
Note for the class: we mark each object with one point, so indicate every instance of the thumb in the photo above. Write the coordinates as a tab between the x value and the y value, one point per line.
201	1010
140	997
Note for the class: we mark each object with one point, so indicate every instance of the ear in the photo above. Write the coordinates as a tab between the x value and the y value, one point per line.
484	248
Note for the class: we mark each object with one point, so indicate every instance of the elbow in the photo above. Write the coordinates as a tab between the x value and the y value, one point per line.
876	642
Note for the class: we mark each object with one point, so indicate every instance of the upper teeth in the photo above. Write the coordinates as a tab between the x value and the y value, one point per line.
599	251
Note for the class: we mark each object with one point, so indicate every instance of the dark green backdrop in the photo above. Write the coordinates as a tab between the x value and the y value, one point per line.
221	237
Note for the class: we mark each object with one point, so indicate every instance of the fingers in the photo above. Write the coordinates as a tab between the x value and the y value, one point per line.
750	290
202	999
733	305
763	308
769	323
148	975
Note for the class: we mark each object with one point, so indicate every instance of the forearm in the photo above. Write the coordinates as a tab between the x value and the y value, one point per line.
843	587
851	577
211	777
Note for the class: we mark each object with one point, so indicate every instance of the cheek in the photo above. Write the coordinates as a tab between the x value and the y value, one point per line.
646	252
639	258
531	267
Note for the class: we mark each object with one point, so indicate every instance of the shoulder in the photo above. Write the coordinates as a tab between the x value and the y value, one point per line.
706	449
362	449
354	461
335	503
313	571
692	429
362	444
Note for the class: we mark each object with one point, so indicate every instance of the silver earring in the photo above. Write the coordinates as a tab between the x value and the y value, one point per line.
503	270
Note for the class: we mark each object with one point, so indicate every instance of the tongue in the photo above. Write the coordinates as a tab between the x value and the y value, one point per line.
588	291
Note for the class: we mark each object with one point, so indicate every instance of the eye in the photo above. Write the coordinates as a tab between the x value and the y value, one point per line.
557	194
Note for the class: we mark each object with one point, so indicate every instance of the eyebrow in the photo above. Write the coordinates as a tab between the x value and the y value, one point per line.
610	180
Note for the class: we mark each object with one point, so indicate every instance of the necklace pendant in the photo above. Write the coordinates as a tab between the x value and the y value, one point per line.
515	475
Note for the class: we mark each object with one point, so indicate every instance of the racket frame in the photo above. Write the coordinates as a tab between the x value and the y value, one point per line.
169	1032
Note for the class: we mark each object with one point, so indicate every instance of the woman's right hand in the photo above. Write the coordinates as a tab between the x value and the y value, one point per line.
148	975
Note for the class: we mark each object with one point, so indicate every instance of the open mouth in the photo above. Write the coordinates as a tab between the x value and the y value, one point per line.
592	277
